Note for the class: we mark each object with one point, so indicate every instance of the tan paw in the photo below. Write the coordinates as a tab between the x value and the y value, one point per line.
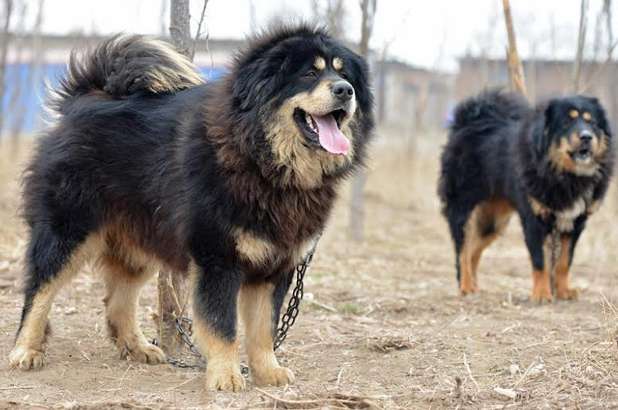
567	294
225	378
468	290
276	376
26	359
541	295
144	353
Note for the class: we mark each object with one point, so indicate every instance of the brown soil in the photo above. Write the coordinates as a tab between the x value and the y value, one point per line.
382	325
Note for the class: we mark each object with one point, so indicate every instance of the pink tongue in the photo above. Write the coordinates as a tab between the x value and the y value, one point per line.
331	139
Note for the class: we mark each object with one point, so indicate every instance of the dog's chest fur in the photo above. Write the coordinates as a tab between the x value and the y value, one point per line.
565	218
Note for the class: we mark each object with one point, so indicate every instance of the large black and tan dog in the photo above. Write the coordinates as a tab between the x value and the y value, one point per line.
551	165
231	181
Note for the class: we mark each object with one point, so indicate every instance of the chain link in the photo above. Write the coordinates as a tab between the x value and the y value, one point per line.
291	313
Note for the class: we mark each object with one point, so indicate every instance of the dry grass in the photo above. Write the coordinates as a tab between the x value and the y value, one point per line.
383	326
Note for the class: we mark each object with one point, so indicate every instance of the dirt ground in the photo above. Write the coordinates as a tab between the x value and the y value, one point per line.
382	325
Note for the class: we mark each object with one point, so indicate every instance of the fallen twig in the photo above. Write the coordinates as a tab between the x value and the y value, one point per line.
467	366
340	400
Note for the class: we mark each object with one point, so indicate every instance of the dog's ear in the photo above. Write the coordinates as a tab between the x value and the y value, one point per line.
600	116
541	127
258	78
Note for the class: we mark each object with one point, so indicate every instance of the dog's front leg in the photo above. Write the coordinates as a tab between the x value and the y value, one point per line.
260	304
217	285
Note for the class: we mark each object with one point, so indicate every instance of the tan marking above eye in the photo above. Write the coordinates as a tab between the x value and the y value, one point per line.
587	116
319	63
337	63
573	114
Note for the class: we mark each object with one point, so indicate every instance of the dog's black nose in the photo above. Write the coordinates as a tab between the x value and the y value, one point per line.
585	136
343	90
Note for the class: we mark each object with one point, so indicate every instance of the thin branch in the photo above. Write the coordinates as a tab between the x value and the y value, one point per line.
198	33
467	366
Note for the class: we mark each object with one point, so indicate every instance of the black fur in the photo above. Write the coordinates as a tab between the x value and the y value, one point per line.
180	168
499	148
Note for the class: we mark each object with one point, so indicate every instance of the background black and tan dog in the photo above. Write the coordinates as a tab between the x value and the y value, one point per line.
551	165
231	181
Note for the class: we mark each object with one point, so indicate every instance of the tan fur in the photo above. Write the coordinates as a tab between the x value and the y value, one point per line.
28	351
123	285
319	63
538	208
304	165
337	63
559	155
256	250
587	116
573	114
541	279
174	71
495	212
563	289
593	207
256	310
223	358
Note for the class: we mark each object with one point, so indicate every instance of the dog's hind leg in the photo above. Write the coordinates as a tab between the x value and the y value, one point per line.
466	257
54	256
260	304
457	223
124	282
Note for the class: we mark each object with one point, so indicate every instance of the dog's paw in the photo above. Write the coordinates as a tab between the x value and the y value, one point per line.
144	353
567	294
226	378
468	290
26	359
541	295
275	376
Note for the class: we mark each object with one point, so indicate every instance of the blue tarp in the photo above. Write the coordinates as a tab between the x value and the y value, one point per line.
24	96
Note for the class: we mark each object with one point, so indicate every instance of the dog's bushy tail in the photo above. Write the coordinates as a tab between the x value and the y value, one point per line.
489	110
123	65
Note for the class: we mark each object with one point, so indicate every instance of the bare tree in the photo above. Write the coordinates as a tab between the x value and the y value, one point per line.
581	41
516	69
332	12
173	289
4	49
607	10
357	204
180	26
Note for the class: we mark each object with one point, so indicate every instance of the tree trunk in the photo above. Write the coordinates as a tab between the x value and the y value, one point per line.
173	289
180	26
581	41
516	69
357	200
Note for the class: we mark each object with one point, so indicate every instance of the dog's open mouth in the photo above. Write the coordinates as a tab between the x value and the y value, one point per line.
582	154
323	130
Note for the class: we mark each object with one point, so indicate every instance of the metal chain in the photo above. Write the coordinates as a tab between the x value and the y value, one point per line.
287	320
555	244
291	313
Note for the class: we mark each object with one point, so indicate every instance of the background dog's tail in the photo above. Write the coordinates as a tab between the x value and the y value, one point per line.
125	65
489	110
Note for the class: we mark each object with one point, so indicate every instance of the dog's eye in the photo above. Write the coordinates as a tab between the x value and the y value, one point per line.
311	74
